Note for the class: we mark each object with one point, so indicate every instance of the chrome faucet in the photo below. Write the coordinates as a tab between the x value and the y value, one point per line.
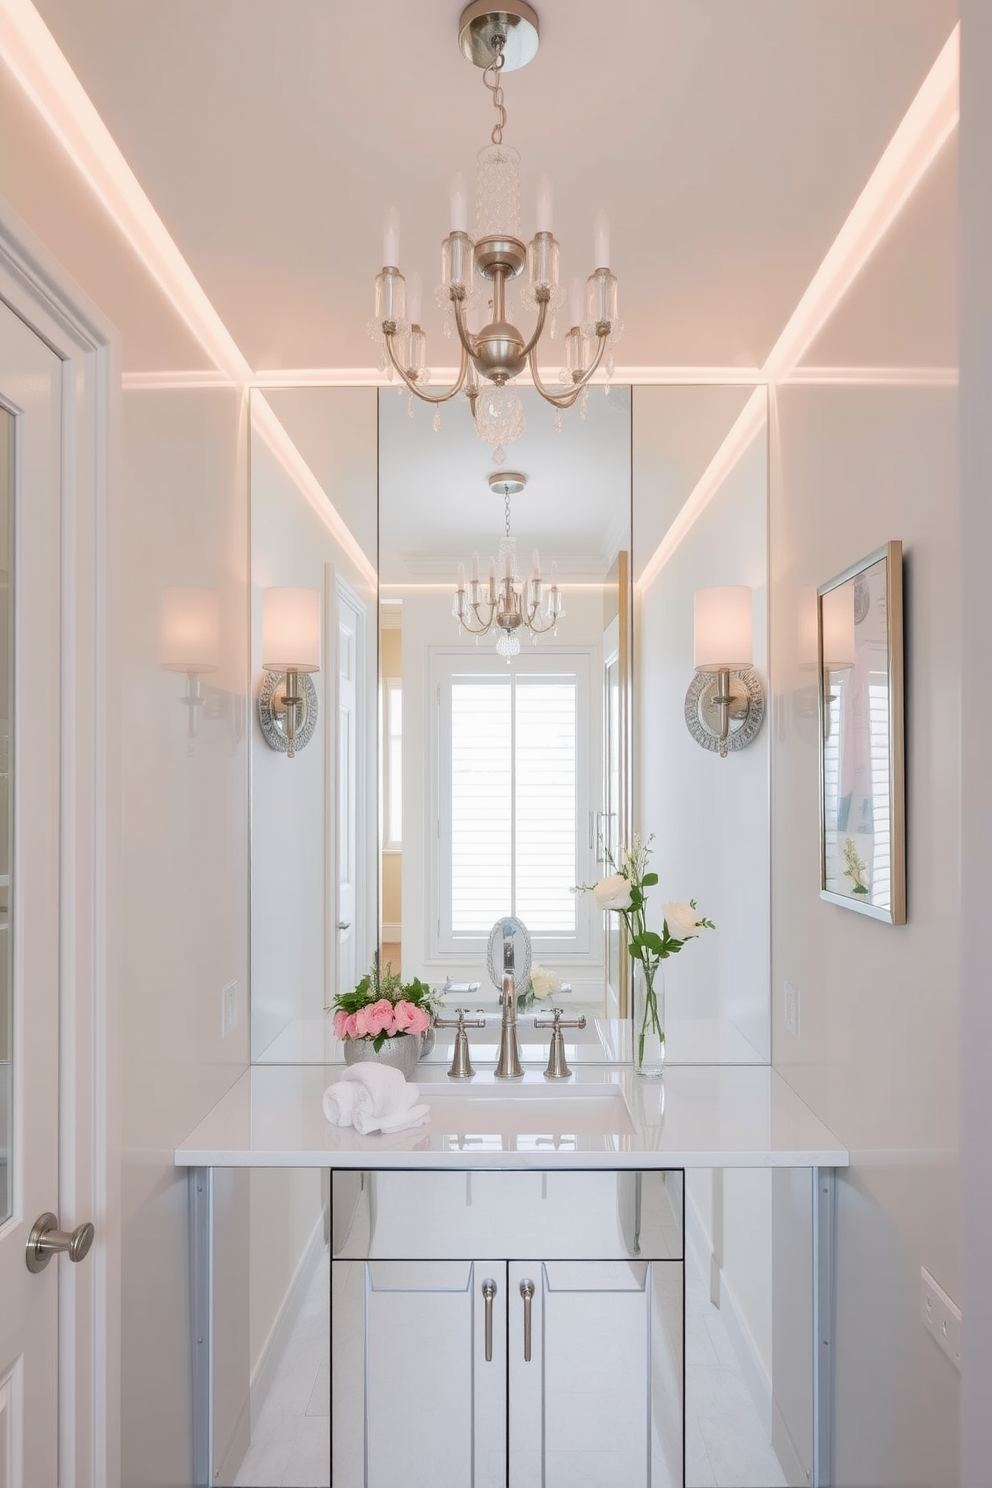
508	1063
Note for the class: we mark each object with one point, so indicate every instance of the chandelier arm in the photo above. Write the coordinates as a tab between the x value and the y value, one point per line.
565	400
464	334
484	626
414	387
542	315
541	629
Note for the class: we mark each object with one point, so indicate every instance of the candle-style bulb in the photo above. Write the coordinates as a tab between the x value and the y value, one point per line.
576	301
391	240
537	565
475	566
545	204
459	203
601	241
461	577
414	296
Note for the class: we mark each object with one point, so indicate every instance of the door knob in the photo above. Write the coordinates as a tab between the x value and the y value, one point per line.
344	924
46	1240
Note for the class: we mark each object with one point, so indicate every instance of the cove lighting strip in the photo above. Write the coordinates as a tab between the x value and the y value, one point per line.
267	426
30	52
926	127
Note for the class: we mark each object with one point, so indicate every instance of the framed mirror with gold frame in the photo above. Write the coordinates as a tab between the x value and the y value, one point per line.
862	785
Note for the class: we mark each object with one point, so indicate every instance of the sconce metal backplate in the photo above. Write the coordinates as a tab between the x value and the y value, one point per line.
272	710
702	712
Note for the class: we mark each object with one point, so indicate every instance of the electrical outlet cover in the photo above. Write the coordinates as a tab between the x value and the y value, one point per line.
940	1316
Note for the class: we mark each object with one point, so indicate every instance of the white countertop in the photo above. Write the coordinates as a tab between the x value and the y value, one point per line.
706	1116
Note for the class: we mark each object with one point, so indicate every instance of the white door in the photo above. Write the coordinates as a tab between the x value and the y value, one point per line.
30	487
349	768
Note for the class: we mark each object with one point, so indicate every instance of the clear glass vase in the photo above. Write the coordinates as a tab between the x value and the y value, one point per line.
649	1020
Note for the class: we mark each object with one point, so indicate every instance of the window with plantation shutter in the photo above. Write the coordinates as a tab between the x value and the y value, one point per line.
512	797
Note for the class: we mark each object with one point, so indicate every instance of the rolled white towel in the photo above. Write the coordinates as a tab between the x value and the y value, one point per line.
339	1103
384	1100
413	1116
386	1088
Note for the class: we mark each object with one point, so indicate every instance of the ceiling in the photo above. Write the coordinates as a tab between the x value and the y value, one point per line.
727	141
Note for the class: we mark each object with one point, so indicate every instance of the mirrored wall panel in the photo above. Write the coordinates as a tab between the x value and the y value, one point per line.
500	705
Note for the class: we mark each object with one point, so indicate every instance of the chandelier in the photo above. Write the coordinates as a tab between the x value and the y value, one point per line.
504	604
492	356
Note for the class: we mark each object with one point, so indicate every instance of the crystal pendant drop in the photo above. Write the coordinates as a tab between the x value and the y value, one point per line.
499	417
508	645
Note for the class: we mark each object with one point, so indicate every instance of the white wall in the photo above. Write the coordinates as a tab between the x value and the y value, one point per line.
976	778
184	916
877	1056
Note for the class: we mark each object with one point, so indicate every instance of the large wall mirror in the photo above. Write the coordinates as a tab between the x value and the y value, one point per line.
447	784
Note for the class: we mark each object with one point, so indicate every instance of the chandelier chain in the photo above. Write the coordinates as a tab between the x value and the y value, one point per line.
507	507
495	87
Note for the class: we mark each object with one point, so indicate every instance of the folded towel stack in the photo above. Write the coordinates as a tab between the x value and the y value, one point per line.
374	1098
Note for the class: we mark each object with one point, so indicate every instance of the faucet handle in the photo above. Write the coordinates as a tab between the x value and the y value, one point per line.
557	1064
461	1063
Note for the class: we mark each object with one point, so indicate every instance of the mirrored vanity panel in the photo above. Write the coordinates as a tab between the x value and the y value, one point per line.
559	1215
521	1328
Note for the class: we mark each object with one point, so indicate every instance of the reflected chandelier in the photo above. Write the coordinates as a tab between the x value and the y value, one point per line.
504	604
498	41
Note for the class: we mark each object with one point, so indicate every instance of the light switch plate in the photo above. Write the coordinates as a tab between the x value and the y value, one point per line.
941	1317
792	1009
228	1009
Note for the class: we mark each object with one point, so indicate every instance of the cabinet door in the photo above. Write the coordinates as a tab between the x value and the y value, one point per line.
599	1400
418	1379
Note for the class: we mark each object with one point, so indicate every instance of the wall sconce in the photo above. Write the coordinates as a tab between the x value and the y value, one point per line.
725	702
190	643
287	699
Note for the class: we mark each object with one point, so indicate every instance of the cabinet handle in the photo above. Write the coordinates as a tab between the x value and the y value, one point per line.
489	1292
527	1292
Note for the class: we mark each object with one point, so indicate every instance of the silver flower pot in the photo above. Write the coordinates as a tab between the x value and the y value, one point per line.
400	1052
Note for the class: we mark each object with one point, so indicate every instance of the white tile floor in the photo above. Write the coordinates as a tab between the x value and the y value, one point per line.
290	1446
725	1444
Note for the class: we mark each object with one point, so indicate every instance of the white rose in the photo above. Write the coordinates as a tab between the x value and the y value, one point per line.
543	982
681	919
612	892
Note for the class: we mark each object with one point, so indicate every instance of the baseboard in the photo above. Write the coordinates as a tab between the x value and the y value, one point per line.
392	934
279	1334
753	1370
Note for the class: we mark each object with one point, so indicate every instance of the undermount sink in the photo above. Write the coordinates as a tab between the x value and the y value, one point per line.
579	1110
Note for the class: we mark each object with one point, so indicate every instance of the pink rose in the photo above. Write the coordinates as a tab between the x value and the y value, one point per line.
380	1017
340	1023
351	1026
410	1018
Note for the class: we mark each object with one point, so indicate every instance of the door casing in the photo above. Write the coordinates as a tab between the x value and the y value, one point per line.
39	291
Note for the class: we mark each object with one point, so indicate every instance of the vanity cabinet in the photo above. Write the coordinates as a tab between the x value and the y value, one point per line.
534	1365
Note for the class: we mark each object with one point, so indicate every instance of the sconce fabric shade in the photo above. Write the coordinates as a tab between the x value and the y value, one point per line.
291	630
722	629
190	630
838	628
